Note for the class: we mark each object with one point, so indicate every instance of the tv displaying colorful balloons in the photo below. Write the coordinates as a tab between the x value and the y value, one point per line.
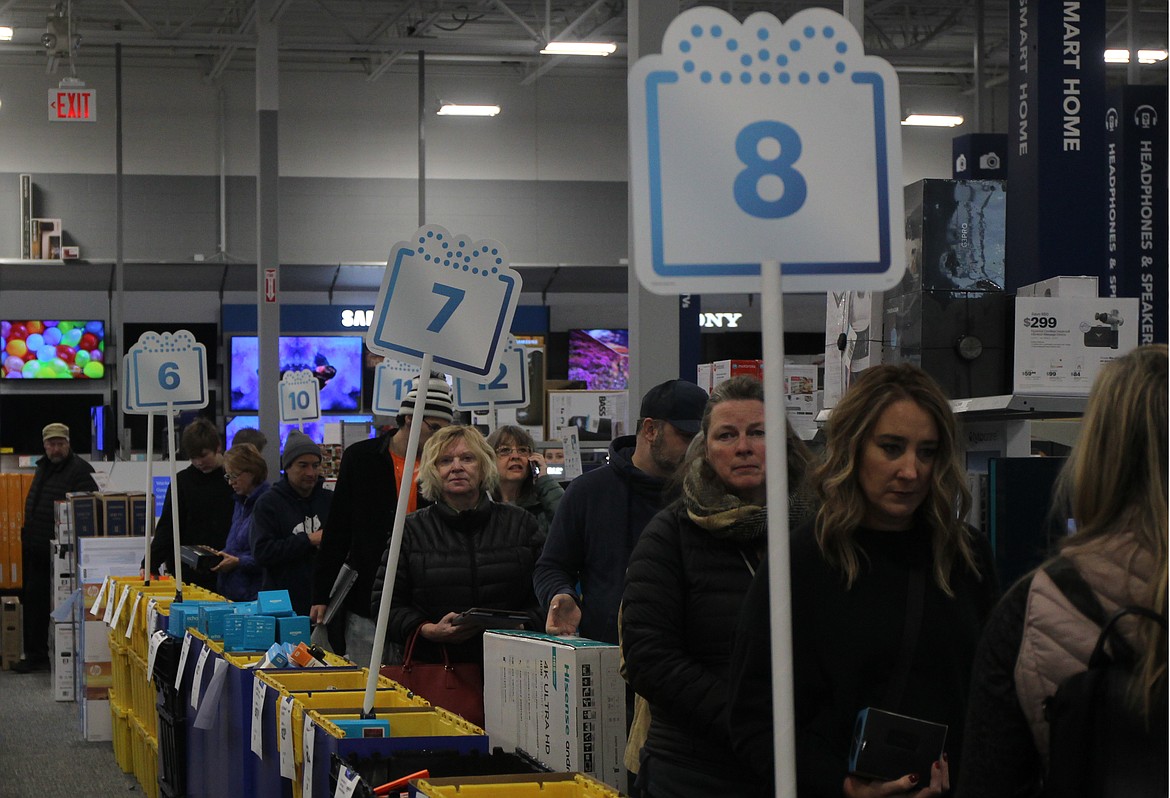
38	349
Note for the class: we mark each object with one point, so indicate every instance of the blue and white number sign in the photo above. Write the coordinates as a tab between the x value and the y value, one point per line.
764	141
507	387
166	369
393	380
300	397
447	296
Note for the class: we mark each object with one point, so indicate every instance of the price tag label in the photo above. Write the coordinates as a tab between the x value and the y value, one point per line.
197	679
751	142
288	768
205	719
308	743
99	599
133	614
182	660
156	640
447	296
508	386
167	369
393	380
259	692
113	619
347	782
300	397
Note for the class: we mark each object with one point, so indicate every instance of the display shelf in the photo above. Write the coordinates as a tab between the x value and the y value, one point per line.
1020	407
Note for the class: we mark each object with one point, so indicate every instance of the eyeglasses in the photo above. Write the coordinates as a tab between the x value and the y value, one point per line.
434	426
228	477
447	459
508	451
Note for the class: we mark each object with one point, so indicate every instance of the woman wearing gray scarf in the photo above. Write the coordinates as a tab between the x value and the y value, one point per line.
685	583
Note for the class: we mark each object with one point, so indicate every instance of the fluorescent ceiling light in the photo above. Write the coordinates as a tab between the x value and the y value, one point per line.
1144	56
932	120
579	48
450	109
5	33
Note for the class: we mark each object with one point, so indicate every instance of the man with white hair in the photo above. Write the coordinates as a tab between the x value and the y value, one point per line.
59	472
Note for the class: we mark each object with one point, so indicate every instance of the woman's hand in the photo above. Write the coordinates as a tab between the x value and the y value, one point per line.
940	782
536	460
226	564
445	631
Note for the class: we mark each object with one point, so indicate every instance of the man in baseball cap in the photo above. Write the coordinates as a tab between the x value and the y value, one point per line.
59	472
364	504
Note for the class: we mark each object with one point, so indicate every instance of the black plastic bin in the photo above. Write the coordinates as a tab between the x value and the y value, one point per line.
376	770
172	721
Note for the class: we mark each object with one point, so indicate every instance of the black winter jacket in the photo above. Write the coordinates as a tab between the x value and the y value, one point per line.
50	483
593	532
281	520
206	505
451	561
360	520
683	593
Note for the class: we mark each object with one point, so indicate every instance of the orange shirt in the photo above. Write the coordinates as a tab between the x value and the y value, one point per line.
399	466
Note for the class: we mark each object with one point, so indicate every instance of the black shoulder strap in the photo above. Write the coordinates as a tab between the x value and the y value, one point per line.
915	598
1066	577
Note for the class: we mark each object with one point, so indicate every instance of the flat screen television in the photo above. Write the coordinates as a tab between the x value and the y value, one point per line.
336	360
43	349
24	414
600	358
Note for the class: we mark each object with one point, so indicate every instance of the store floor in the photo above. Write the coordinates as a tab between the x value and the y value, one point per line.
42	754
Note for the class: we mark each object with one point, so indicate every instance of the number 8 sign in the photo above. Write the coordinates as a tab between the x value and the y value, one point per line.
167	369
764	141
447	296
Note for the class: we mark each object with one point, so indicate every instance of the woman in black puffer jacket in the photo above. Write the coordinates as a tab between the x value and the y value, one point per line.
463	551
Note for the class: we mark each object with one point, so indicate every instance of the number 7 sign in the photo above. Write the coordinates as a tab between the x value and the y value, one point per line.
447	296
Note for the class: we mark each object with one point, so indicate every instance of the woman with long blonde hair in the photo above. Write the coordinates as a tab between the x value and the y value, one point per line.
1114	487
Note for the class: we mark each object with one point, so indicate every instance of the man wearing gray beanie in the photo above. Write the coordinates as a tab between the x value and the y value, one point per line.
363	512
287	522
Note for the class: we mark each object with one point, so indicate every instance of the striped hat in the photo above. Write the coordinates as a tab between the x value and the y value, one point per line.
439	402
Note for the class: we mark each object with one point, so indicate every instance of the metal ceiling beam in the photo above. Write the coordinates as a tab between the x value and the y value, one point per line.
143	21
500	4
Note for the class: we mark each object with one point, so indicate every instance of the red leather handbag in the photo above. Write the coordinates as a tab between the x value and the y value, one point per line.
456	687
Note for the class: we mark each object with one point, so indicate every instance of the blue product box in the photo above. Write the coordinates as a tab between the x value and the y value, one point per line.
274	602
233	633
246	608
115	509
83	506
184	615
293	629
259	632
363	727
276	657
211	619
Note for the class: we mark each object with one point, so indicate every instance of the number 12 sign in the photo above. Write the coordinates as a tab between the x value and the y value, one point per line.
764	141
447	296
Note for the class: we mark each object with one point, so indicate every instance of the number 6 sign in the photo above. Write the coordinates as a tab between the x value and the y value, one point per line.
447	296
167	369
300	397
764	141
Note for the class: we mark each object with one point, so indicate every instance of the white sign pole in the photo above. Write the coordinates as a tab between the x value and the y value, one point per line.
405	485
776	471
149	494
177	557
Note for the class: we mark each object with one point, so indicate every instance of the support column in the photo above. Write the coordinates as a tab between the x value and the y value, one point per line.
652	319
267	232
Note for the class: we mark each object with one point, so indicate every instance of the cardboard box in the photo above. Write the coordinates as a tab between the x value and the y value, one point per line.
11	631
724	370
97	724
115	510
64	572
598	415
137	512
1064	287
853	339
560	700
1062	343
85	514
703	377
64	658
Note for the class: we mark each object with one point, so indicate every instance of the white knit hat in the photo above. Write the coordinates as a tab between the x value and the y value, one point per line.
439	402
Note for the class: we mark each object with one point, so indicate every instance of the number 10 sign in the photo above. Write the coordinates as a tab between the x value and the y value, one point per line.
300	397
764	141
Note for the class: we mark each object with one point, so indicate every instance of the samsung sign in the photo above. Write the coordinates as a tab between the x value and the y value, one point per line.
297	319
356	318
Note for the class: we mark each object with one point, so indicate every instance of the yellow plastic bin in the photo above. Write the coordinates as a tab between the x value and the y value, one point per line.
411	729
123	744
145	759
142	703
120	667
538	785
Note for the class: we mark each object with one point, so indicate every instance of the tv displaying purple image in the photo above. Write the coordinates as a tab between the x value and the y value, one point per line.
336	360
314	429
600	358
